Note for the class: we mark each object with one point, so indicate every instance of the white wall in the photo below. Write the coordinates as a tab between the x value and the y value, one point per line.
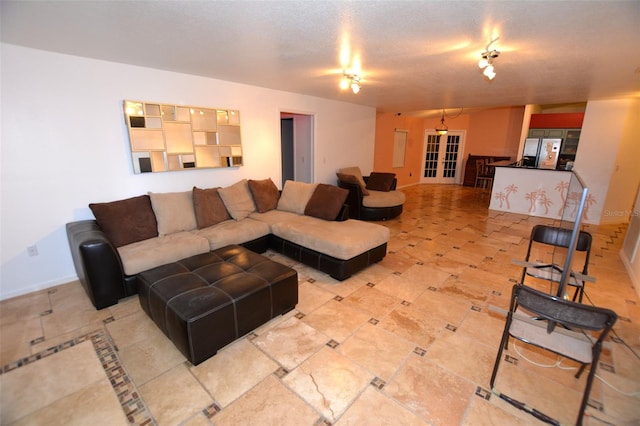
608	156
64	144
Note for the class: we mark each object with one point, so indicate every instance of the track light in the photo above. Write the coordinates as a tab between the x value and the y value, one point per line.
350	80
486	61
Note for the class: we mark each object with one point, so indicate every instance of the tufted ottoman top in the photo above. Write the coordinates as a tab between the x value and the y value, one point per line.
208	300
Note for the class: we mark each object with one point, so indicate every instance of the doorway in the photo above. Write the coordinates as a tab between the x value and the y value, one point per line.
296	147
441	162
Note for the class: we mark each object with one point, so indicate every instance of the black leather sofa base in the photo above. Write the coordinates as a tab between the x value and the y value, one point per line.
204	302
337	268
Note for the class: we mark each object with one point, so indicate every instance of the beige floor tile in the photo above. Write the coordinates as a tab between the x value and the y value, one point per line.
401	288
70	298
483	413
291	342
485	327
443	305
374	408
310	297
269	403
414	325
336	320
22	308
62	338
175	396
199	419
29	388
432	392
124	307
150	358
233	371
536	391
64	321
329	382
377	350
16	337
464	356
373	301
132	329
94	404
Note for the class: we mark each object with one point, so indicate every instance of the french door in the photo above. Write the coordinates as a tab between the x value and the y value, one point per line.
442	157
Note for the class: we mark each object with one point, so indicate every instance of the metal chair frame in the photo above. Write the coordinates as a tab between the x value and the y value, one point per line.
558	237
560	326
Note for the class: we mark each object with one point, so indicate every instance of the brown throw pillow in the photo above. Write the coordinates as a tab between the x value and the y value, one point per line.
353	180
265	194
326	201
126	221
380	181
209	207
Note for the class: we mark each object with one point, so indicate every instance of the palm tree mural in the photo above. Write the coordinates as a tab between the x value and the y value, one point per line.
544	201
501	197
588	202
531	197
573	200
561	187
510	189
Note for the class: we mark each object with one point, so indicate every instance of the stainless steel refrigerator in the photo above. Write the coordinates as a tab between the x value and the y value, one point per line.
541	153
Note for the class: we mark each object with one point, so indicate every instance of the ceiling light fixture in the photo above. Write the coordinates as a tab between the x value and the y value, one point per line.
486	60
350	79
442	129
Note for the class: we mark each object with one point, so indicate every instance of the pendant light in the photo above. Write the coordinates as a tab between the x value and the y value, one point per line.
442	129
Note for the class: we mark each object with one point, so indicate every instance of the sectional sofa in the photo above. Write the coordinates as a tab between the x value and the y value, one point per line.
306	222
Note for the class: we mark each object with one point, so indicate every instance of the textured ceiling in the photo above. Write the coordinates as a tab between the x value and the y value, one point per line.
415	55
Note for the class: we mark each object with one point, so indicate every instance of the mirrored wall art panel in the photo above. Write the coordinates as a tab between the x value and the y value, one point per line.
166	137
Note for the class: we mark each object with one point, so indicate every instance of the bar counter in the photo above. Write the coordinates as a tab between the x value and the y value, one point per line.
529	191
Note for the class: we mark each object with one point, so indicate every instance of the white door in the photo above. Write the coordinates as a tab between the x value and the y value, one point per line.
441	157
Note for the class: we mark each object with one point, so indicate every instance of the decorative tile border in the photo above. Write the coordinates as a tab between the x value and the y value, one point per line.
132	404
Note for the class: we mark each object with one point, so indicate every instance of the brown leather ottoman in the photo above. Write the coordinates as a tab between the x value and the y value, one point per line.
207	301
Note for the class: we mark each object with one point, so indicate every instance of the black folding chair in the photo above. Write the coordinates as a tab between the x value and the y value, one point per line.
564	327
558	237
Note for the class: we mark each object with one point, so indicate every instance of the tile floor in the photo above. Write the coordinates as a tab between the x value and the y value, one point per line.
410	340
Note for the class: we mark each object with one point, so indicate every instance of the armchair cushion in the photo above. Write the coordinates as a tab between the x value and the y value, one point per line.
326	202
126	221
265	194
210	209
380	181
355	171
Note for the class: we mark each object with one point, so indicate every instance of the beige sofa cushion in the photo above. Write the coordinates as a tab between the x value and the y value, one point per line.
233	232
147	254
274	216
238	199
342	240
383	199
174	211
295	196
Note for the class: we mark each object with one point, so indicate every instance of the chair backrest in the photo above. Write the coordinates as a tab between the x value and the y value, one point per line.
560	237
564	312
480	167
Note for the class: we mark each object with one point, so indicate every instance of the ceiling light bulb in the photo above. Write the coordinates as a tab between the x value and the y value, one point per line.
483	62
489	72
344	83
355	87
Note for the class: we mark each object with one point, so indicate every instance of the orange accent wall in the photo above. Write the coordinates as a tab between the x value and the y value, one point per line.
493	131
572	120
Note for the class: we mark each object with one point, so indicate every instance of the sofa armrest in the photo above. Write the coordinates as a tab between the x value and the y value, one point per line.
97	263
354	199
